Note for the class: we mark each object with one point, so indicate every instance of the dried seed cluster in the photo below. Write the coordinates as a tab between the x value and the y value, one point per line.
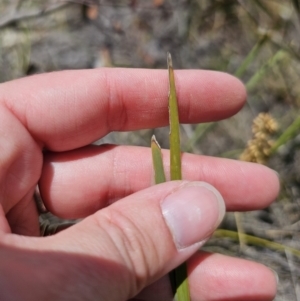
258	149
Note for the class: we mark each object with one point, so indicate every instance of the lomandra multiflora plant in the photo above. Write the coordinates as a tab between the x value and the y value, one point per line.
178	277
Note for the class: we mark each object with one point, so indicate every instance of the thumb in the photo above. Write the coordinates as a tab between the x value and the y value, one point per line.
138	239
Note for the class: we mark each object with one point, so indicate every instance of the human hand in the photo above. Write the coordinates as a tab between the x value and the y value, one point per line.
121	250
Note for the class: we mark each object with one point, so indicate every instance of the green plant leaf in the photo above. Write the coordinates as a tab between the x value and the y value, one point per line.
157	161
175	154
179	275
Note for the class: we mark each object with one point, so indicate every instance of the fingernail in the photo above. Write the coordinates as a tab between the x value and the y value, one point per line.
192	213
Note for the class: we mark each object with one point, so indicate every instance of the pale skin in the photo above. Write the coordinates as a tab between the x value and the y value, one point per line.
122	249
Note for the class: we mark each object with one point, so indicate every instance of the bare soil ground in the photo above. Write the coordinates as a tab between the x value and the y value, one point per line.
37	36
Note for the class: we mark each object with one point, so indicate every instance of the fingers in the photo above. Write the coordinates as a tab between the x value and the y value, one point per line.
23	218
66	110
78	183
4	226
217	277
135	242
214	276
20	160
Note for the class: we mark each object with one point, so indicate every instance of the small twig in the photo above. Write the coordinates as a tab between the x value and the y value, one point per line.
17	17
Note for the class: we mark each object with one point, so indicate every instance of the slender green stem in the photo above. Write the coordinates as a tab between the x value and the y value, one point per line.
200	131
291	132
250	57
254	240
256	78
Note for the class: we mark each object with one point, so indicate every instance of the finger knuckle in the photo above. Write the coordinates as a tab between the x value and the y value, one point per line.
135	247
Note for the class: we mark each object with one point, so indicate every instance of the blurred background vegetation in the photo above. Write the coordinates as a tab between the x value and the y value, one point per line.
258	41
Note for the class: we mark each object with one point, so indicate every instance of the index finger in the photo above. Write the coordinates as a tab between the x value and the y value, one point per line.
69	109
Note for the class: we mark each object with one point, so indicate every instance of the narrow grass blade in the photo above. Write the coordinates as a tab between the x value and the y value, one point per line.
175	155
250	57
257	77
179	275
200	131
157	161
181	282
160	177
291	132
257	241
